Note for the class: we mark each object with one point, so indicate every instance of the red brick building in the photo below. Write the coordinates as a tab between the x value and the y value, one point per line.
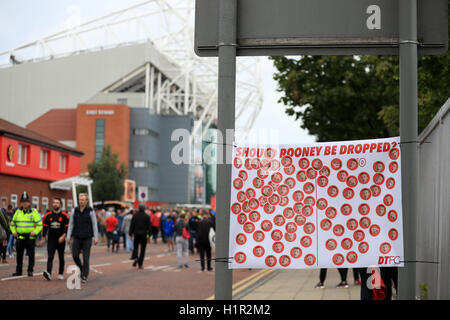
29	162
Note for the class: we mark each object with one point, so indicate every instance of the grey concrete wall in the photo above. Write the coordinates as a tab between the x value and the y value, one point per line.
433	228
174	178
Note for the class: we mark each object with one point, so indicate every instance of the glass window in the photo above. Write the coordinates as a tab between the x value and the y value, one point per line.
99	138
35	202
14	201
145	132
62	163
63	204
44	204
69	205
22	154
44	159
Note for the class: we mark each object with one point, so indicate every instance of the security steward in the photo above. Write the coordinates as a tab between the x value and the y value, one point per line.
55	224
25	226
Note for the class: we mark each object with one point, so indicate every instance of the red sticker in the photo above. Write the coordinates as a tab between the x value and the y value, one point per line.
238	183
359	235
325	171
322	181
388	200
352	181
283	190
258	182
380	210
250	193
363	178
300	220
274	165
255	164
279	220
310	201
363	247
394	154
352	164
270	153
317	164
331	244
331	212
290	237
243	175
325	224
290	182
266	225
253	203
267	191
241	197
346	209
310	259
258	251
393	234
265	165
374	230
309	228
236	208
352	224
278	247
254	216
378	179
248	164
274	199
333	191
289	170
364	209
241	239
284	201
342	176
303	163
286	161
298	196
288	213
352	257
277	177
336	164
376	190
392	216
301	176
249	227
338	230
346	243
271	261
348	193
291	227
393	167
385	248
364	222
237	163
365	194
285	260
308	188
307	211
311	173
306	241
262	173
390	183
298	207
269	208
338	259
240	257
242	218
322	203
258	236
378	166
276	235
296	252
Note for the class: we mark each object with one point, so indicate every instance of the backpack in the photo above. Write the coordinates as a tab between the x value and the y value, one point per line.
185	233
3	232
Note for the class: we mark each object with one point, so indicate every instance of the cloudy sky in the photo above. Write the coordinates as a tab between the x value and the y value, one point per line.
23	21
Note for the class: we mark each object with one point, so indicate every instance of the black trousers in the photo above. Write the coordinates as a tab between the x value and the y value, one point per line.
21	245
389	277
139	242
342	272
109	239
205	248
52	247
155	231
85	246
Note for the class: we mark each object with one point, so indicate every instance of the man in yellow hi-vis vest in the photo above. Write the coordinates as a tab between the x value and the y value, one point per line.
25	226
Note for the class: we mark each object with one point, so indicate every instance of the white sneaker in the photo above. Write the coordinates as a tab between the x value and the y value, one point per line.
60	277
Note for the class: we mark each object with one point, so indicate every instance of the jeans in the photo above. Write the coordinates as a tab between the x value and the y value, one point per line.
205	248
77	246
182	249
129	243
10	244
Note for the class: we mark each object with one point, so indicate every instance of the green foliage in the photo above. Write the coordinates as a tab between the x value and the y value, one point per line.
108	176
423	291
357	97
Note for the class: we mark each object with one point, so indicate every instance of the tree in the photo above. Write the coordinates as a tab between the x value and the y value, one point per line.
108	176
357	97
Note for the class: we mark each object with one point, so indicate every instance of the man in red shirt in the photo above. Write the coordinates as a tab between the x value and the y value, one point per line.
155	219
111	224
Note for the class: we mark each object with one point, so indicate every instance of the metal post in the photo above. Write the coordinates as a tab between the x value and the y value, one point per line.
408	133
74	194
226	117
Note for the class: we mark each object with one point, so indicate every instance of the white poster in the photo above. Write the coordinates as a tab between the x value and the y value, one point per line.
323	205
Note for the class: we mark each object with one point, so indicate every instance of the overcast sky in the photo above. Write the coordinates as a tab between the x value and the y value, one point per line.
22	21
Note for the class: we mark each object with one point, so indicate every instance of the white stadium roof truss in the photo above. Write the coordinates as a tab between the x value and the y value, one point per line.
169	26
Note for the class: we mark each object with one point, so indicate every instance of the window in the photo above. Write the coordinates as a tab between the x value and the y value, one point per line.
63	204
22	154
62	163
144	164
35	202
14	201
69	205
44	159
99	138
44	204
145	132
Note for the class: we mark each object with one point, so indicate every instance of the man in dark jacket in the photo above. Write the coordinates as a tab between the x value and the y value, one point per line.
140	228
82	227
203	229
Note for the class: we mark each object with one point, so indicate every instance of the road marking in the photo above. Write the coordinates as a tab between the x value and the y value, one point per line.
102	265
12	278
153	268
247	281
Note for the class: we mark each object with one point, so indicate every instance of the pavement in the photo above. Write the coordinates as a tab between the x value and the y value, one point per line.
298	284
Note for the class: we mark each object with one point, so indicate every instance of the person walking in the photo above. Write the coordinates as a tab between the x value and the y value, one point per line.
111	225
11	243
323	274
155	219
193	223
140	228
56	223
25	226
126	231
82	228
203	230
101	221
182	241
4	234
